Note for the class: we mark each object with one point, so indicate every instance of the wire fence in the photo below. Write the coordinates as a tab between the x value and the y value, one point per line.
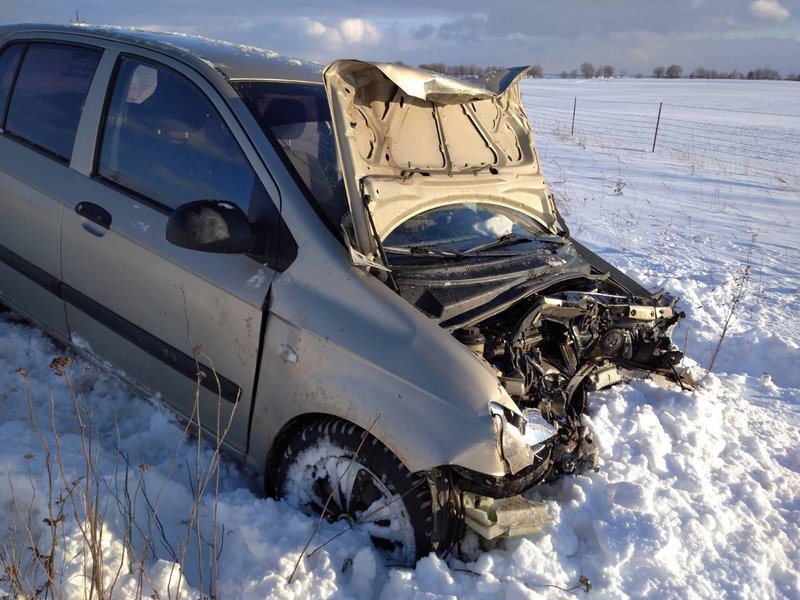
743	142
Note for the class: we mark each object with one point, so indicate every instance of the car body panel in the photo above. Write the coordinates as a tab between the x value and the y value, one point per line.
128	284
194	306
30	238
411	140
231	61
359	358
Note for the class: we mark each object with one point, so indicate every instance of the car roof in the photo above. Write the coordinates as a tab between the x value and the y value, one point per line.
234	61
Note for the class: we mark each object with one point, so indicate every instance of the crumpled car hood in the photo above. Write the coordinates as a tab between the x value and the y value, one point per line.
410	140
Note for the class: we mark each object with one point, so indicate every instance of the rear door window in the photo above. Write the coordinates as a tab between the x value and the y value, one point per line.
47	99
165	141
8	68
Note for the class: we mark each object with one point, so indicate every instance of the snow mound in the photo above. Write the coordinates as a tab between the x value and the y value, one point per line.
697	493
696	496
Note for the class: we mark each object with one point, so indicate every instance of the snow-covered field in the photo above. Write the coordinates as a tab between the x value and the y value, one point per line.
698	493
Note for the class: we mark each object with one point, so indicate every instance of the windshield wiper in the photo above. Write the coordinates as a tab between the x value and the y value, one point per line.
425	251
507	239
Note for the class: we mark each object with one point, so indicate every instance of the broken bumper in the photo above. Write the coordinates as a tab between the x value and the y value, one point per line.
492	518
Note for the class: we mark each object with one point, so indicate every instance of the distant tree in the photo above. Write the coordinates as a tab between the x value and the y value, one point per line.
763	73
638	76
587	70
623	73
659	72
467	71
573	74
766	73
606	71
703	73
793	77
398	62
435	67
535	71
674	71
564	75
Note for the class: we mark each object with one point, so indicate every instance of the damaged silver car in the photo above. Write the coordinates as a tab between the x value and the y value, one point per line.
363	268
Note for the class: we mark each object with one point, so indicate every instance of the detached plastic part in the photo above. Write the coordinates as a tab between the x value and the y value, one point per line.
506	517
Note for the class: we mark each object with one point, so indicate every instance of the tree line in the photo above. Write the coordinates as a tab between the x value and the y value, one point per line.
676	71
472	70
762	73
589	71
458	70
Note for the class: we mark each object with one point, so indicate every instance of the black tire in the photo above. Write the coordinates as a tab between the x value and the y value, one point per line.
382	491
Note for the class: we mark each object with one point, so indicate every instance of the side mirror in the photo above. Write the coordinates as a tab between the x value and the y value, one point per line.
214	226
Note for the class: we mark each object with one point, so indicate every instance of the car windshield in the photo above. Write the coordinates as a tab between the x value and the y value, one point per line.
296	118
460	228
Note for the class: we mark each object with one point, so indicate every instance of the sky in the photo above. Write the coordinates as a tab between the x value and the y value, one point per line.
635	35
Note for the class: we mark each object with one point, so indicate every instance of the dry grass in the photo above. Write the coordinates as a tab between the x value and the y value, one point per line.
38	554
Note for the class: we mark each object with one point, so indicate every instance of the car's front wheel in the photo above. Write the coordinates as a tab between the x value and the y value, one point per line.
336	467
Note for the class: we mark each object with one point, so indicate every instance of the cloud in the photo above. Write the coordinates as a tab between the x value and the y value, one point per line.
356	31
315	29
469	27
329	36
423	32
348	31
769	9
558	34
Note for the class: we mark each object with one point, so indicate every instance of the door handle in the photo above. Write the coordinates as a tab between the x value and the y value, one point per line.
93	212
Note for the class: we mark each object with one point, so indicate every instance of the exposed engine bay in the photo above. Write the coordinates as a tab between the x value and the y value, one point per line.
554	348
554	325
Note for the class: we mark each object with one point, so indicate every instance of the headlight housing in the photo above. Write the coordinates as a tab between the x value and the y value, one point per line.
519	436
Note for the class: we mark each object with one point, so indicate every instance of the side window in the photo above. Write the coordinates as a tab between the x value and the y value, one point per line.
163	139
8	68
48	96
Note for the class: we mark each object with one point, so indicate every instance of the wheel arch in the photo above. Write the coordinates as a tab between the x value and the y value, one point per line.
289	430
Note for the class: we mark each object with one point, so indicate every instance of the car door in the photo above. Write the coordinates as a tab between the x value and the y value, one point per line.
43	86
186	324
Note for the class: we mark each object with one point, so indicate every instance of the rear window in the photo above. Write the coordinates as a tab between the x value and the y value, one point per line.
8	67
48	96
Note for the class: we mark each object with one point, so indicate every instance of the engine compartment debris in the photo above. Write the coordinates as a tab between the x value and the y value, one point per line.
553	328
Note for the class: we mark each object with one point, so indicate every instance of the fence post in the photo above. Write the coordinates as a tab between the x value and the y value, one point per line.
574	106
658	120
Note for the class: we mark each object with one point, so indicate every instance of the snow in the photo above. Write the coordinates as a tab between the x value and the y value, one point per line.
697	491
257	280
496	226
